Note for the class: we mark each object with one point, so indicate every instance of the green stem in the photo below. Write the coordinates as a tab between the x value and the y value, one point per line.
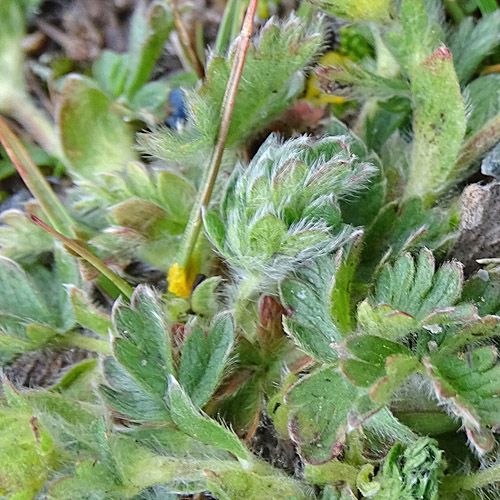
185	41
487	6
455	11
207	186
73	245
36	123
454	484
242	315
90	344
228	26
35	181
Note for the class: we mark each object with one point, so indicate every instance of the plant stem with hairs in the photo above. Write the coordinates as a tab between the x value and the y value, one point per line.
208	183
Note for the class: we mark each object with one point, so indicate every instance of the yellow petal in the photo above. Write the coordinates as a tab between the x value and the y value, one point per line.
180	281
333	59
313	94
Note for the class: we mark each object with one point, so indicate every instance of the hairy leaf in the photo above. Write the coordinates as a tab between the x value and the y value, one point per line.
28	453
189	419
148	35
271	77
34	306
413	472
483	290
375	10
474	41
377	359
484	101
94	138
439	124
359	82
438	107
137	375
420	36
307	304
410	295
341	307
468	385
204	299
399	228
11	62
87	315
320	404
483	124
20	238
204	358
283	208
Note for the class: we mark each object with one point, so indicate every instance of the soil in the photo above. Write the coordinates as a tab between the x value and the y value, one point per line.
479	229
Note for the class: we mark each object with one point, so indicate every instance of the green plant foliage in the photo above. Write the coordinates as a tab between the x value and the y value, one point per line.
19	239
188	419
312	331
87	315
472	42
317	340
483	98
204	300
469	386
203	359
144	210
378	10
125	77
372	353
409	296
35	307
400	227
147	37
277	213
320	405
104	147
439	123
412	472
28	453
483	122
438	107
360	82
137	374
13	20
271	77
484	293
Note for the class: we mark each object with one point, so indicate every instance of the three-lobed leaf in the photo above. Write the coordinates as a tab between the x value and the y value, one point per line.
137	375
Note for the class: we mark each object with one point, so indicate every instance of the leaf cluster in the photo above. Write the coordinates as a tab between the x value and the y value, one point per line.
317	306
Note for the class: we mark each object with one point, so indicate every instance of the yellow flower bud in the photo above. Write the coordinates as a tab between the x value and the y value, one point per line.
180	280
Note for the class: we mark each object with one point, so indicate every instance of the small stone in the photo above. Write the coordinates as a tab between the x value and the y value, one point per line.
483	274
433	328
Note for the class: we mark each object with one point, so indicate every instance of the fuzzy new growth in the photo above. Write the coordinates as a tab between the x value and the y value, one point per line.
319	304
282	209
